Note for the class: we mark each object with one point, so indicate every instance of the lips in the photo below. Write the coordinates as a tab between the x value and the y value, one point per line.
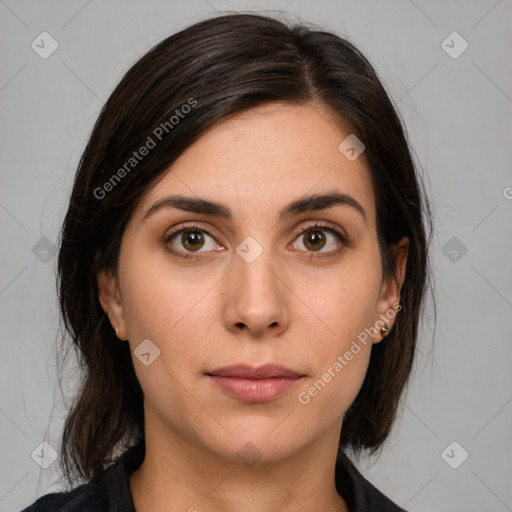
254	385
267	371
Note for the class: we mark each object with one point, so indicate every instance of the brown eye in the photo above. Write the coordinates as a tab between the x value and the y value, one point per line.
192	240
314	240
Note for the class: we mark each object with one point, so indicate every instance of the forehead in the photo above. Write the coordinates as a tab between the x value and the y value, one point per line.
260	159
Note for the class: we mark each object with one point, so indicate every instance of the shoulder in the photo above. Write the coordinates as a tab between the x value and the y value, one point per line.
373	499
81	498
360	494
107	491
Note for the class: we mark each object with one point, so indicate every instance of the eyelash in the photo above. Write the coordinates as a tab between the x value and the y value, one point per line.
325	226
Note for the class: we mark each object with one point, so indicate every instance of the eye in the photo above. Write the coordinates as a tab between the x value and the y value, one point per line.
190	239
314	238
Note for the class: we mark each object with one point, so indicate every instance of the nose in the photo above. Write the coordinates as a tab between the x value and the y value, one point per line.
257	298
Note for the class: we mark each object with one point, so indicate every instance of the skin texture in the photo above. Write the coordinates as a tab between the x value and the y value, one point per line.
290	307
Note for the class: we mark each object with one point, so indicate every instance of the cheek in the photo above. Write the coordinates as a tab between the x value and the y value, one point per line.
157	297
340	356
347	305
170	308
345	302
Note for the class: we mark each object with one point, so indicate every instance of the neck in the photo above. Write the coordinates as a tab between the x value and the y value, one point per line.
177	476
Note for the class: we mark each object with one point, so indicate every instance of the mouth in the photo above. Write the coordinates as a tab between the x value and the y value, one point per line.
255	385
267	371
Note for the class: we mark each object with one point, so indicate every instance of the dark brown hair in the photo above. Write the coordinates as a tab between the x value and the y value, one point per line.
224	65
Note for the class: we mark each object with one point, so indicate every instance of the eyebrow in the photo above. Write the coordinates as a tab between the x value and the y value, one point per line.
303	204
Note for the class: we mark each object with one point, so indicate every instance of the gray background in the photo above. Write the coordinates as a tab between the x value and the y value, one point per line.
458	113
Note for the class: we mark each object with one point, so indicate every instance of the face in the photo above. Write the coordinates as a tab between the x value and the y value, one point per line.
254	282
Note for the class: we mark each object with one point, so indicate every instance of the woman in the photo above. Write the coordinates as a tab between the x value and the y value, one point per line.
242	268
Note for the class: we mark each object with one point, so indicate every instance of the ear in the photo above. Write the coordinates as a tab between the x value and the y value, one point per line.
110	300
390	289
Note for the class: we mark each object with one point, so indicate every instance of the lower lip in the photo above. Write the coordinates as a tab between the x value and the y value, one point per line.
255	390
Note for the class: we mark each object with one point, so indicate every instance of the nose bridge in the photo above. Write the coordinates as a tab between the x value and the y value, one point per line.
253	266
256	291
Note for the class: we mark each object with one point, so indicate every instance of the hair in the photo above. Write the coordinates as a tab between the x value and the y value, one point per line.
224	65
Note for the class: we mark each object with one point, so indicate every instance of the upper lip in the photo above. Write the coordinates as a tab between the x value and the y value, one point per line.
261	372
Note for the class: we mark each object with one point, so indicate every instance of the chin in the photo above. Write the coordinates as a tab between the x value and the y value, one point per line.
266	440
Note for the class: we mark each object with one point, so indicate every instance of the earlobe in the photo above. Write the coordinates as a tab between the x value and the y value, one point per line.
109	297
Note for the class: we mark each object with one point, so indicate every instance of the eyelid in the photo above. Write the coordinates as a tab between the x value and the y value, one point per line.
322	224
187	225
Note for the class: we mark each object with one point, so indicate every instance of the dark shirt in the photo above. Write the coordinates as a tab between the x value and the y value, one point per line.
109	490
